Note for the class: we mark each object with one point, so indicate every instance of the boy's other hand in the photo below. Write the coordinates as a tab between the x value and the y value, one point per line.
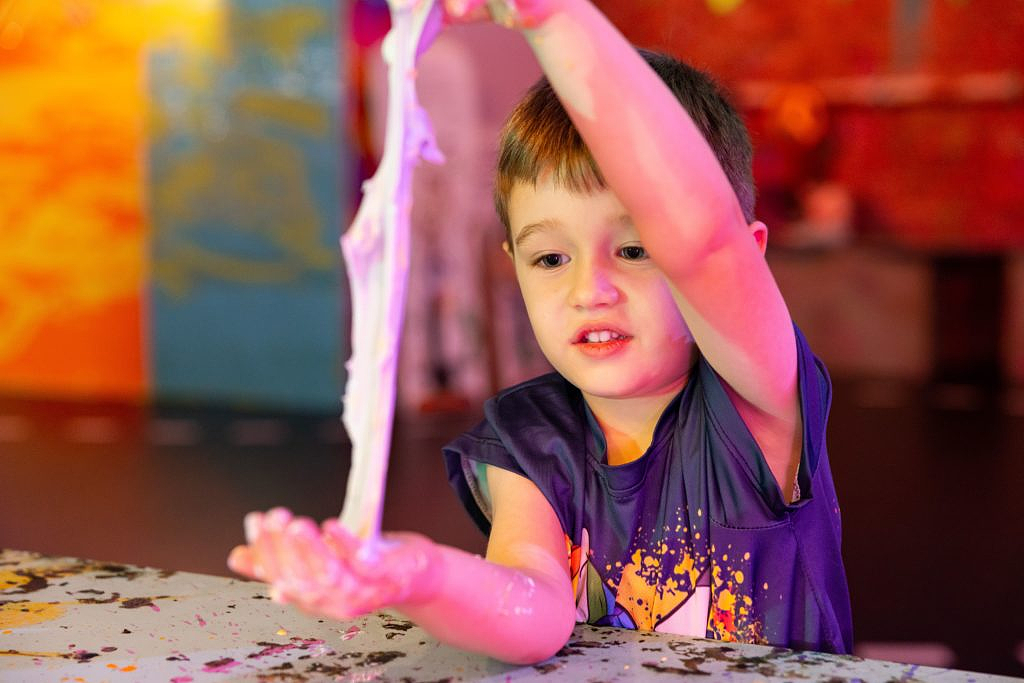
327	571
515	14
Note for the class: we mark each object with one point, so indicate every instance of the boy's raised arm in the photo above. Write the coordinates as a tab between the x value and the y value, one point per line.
688	217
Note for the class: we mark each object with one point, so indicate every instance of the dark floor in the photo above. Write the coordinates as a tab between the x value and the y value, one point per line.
931	481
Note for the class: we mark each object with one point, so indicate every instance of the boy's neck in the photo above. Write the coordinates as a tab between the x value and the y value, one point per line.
628	423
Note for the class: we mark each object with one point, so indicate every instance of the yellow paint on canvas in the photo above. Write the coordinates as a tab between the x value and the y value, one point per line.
10	580
72	226
37	655
18	614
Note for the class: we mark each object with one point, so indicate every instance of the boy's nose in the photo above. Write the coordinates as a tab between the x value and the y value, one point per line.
593	287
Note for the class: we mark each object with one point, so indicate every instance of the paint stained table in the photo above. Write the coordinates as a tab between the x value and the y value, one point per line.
74	620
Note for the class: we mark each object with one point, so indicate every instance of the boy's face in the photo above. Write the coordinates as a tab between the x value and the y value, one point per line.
603	313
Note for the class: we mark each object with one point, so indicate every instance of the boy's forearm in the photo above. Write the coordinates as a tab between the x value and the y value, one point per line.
647	147
518	616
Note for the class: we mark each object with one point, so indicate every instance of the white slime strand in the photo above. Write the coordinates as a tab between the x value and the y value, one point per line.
376	251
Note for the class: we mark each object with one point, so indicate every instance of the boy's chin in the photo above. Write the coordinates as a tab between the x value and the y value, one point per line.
619	388
607	390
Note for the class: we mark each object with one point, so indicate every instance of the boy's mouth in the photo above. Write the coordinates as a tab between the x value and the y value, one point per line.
598	334
600	341
599	337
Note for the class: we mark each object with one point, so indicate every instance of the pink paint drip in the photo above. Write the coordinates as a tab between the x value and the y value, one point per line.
182	679
155	608
201	621
350	634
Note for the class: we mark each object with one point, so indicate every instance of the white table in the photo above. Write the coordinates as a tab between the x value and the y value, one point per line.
74	620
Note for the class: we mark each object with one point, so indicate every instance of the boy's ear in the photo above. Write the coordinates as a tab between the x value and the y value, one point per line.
508	249
760	232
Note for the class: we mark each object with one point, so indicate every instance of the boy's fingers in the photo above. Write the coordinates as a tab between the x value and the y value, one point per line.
253	532
278	520
340	541
240	561
314	565
252	523
266	547
280	595
292	571
362	582
278	517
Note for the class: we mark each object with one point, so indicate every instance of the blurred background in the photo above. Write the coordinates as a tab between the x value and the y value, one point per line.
174	177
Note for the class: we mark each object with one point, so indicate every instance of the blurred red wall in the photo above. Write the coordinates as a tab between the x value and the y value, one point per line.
919	105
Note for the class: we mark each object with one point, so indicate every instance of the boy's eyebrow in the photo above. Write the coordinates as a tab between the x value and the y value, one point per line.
533	228
625	221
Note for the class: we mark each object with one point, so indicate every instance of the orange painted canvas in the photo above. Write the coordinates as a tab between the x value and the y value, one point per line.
72	220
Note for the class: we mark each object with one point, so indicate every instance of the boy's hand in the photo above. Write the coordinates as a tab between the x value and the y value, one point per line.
517	14
328	571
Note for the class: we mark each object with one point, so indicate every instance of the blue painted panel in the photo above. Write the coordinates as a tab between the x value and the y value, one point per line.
247	190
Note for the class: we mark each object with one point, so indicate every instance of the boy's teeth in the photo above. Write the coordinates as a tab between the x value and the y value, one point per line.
602	336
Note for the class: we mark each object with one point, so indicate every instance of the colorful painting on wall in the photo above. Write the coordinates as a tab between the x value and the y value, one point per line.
170	198
245	182
72	222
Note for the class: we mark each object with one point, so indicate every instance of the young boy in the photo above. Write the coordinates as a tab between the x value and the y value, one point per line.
672	475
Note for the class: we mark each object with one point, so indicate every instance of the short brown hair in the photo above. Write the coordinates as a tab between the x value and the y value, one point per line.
539	137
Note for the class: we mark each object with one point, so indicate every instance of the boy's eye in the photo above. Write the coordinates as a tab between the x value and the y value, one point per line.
633	252
550	260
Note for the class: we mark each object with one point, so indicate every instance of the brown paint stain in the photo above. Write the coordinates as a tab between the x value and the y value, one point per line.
135	603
